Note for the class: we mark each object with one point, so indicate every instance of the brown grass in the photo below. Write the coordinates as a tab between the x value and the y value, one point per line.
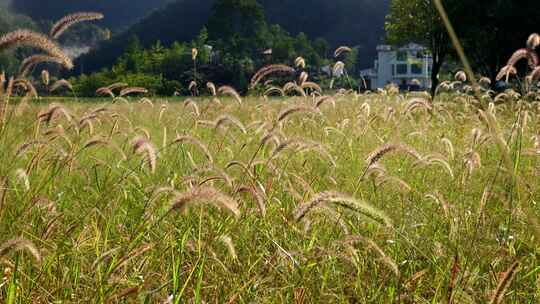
378	153
143	146
340	50
341	200
132	90
35	40
62	83
504	282
228	90
271	69
30	62
19	244
66	22
206	195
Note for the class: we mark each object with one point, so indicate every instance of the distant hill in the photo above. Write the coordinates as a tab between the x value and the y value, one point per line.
120	14
177	21
9	62
340	22
348	22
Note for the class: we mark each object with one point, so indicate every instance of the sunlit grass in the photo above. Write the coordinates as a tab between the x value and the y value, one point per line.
102	222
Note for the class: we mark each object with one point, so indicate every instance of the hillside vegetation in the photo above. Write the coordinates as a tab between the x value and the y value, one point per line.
355	23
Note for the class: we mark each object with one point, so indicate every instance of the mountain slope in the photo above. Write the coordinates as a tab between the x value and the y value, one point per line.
341	22
119	13
349	22
178	21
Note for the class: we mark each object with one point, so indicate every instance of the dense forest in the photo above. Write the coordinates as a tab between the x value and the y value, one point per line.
350	22
292	28
179	21
233	43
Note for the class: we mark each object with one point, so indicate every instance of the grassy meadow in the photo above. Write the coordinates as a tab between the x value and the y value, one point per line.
376	198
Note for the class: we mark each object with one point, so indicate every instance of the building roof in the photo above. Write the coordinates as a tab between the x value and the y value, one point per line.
368	73
408	47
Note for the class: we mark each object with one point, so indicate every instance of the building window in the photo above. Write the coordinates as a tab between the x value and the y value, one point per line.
416	69
393	69
401	69
401	56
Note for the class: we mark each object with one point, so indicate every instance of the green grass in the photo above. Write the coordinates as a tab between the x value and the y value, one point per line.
104	236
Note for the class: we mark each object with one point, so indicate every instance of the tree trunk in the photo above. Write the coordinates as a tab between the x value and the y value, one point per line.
439	49
436	68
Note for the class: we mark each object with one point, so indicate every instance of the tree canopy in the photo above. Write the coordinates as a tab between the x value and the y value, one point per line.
339	22
233	43
418	21
498	29
490	31
230	50
238	25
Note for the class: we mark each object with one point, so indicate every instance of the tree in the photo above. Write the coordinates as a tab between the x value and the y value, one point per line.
490	31
133	57
281	44
238	25
230	50
340	22
418	21
497	29
322	47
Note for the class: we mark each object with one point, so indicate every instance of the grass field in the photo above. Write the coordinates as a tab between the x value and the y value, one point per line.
349	199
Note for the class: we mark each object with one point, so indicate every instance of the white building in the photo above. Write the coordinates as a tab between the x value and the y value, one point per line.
401	66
